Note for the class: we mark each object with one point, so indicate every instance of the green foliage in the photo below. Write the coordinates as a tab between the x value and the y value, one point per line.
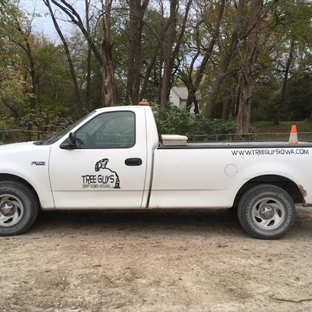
299	98
47	120
5	134
266	96
196	128
11	79
32	125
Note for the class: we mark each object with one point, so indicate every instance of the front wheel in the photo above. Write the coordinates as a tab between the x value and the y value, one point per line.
18	208
266	212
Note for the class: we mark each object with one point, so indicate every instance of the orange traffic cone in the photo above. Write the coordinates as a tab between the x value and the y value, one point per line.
293	137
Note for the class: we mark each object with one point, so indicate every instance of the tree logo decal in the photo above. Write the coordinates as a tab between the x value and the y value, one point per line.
106	179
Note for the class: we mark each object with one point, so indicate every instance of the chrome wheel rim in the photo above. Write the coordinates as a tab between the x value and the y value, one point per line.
268	213
11	210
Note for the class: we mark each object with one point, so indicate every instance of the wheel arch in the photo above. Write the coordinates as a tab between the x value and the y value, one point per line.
11	177
284	183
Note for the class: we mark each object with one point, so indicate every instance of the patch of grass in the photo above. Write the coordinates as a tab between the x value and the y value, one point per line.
268	131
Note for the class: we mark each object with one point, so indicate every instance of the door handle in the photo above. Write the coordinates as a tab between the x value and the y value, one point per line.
133	161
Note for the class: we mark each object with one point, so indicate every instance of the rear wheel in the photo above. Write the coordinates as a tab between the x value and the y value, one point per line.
266	212
18	208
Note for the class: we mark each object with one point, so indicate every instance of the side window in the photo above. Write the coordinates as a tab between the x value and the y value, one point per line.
108	130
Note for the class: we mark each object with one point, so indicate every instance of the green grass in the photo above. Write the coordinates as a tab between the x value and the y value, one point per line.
268	131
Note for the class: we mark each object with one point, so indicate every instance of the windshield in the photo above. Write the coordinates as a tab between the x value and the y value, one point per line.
63	132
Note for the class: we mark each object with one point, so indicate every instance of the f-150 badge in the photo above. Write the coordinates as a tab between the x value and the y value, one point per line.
106	178
38	163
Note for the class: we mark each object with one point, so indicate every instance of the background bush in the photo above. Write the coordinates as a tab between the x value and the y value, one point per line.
197	128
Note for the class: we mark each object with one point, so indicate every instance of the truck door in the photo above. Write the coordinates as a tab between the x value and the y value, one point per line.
107	166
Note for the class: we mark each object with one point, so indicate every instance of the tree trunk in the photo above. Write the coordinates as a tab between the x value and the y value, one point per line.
137	11
230	53
281	105
33	76
108	78
193	87
89	60
69	60
168	60
244	109
170	54
148	72
226	109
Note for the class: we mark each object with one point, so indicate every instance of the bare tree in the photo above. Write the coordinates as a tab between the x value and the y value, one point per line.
171	47
137	11
192	85
108	78
102	52
69	60
282	101
244	108
89	56
257	12
25	44
228	56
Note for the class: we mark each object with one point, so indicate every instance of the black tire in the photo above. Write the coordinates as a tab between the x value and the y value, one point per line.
266	212
19	208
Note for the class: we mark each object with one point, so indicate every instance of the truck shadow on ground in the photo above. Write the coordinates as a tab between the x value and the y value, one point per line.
207	222
180	220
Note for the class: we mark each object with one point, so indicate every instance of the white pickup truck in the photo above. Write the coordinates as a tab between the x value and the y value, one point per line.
112	159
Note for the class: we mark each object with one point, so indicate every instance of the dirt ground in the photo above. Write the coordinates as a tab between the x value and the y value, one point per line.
175	260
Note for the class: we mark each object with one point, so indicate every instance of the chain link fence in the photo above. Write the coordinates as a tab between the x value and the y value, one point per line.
280	136
13	136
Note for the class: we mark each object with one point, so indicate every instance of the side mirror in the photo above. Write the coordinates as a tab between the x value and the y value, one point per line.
72	139
70	142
